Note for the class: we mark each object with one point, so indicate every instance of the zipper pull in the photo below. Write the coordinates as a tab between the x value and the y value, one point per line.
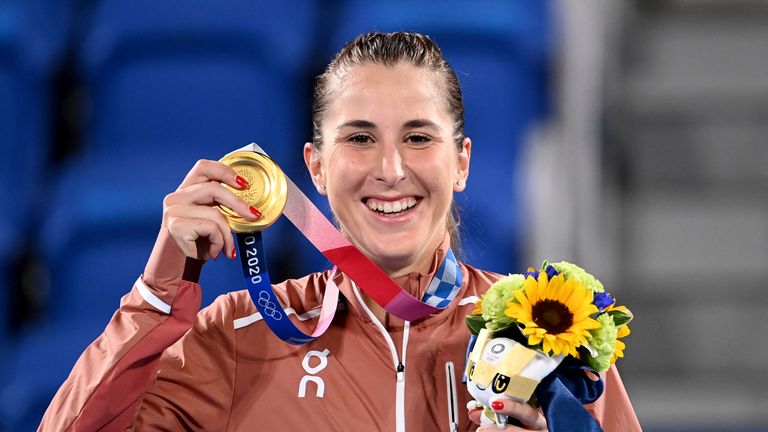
400	371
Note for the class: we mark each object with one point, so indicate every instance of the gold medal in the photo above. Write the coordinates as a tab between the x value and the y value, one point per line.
268	190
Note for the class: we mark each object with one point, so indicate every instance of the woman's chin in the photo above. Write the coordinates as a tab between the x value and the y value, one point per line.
397	258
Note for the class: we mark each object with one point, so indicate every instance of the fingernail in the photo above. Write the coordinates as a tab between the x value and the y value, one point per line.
255	211
234	253
497	405
241	181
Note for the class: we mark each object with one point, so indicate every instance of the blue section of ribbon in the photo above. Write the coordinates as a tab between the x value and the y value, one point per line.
562	395
445	284
254	265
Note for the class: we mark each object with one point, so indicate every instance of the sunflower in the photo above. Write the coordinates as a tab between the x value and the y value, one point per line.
554	313
478	306
619	350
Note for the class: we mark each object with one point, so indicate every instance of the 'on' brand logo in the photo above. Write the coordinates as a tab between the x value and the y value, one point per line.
312	371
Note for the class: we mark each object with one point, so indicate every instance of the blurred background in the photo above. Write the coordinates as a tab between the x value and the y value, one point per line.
626	136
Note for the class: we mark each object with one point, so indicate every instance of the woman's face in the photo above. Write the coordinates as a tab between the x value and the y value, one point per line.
389	163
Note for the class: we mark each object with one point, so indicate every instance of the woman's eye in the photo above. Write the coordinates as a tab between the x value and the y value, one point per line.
360	139
418	139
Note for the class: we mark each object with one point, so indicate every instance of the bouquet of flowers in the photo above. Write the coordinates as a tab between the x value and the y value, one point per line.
537	333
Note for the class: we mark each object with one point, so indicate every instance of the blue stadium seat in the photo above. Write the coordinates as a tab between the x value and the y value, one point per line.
32	41
167	83
171	82
31	45
500	51
39	366
33	37
197	77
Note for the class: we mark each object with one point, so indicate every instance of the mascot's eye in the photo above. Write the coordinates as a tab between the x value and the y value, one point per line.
500	383
497	349
471	370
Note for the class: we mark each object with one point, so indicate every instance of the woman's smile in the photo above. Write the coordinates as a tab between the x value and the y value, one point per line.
391	207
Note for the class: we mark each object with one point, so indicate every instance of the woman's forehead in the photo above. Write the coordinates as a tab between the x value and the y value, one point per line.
373	91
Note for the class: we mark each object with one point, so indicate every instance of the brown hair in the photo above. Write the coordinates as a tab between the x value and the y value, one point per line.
390	49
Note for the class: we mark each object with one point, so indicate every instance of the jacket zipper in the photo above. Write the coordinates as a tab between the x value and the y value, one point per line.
397	362
453	409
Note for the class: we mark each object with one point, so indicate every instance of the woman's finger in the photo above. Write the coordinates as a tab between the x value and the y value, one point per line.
208	170
474	411
187	233
530	417
211	193
507	428
209	213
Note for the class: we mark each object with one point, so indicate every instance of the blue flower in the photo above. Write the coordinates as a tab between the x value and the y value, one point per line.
532	273
550	270
602	300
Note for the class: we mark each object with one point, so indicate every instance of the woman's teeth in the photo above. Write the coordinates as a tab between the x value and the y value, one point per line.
389	207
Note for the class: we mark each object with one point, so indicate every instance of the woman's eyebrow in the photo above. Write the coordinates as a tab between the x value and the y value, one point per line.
360	124
421	123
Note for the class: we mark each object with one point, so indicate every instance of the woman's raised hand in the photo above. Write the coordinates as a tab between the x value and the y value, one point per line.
529	417
191	216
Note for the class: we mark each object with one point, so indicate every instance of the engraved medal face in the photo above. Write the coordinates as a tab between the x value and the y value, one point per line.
268	190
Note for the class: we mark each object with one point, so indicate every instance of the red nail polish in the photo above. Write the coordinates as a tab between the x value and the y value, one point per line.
241	181
234	253
497	405
255	211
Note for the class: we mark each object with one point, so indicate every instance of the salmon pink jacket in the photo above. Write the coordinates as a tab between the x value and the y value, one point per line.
162	365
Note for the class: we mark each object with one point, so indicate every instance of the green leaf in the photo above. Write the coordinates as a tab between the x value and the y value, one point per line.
620	318
475	323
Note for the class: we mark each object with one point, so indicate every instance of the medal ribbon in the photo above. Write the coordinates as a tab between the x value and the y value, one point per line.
254	265
346	257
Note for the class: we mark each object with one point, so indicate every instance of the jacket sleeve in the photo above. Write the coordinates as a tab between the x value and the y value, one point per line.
196	377
613	409
110	378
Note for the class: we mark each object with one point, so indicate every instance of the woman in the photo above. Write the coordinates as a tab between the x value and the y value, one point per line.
388	151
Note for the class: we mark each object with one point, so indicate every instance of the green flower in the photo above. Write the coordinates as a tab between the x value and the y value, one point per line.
604	343
495	301
570	271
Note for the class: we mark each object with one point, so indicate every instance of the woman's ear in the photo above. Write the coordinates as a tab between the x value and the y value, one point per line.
314	166
462	165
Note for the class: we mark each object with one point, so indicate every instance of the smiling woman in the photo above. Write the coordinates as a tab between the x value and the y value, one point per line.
388	145
388	150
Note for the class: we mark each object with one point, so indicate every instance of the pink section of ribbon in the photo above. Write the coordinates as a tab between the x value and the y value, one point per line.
328	310
409	307
311	222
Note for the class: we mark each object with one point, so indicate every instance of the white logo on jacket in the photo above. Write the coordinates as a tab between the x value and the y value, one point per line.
312	371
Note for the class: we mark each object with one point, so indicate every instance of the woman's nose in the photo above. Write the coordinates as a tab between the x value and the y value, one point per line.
390	167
